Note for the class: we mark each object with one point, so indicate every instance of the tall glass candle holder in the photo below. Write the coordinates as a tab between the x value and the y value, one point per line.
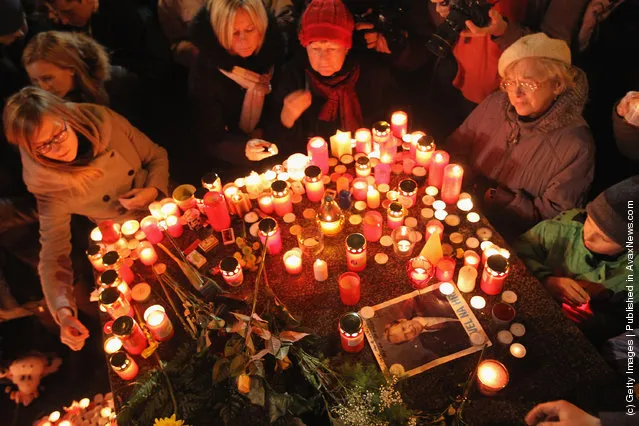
123	365
241	203
231	271
434	226
404	241
112	260
395	215
313	183
293	261
363	166
495	273
372	197
158	323
265	201
253	184
349	288
424	149
229	190
372	225
268	227
212	182
174	227
128	330
420	272
281	198
351	332
399	124
436	169
356	252
151	229
452	183
360	187
330	217
363	141
385	141
111	278
341	144
407	193
317	150
382	173
169	207
114	303
95	253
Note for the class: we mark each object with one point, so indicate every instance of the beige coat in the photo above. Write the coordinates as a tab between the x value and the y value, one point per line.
130	160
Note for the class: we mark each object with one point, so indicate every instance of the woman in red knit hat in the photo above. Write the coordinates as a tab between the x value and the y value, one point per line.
327	89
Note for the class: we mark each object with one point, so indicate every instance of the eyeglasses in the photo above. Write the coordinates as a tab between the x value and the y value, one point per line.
524	86
55	141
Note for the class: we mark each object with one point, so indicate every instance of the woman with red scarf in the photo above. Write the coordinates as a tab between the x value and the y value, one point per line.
327	89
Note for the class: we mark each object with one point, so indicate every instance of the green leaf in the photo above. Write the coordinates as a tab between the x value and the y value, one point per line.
237	365
221	370
232	347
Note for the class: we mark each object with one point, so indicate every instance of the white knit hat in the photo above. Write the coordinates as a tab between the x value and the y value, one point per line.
537	45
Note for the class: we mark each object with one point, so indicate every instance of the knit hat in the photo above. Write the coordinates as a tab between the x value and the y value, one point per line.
11	16
327	20
537	45
610	209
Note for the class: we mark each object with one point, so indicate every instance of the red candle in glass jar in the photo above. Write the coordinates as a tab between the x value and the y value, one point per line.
151	229
434	226
420	271
356	252
112	260
281	198
399	124
363	141
349	288
436	169
111	278
495	273
217	211
317	150
360	188
95	253
123	365
424	146
407	193
445	269
268	228
395	215
382	173
128	330
158	323
173	226
452	183
351	332
110	231
231	271
372	226
313	183
115	303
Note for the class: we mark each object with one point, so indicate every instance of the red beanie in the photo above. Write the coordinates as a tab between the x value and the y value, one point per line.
327	20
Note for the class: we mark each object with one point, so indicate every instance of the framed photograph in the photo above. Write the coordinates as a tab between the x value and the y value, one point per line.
228	236
421	330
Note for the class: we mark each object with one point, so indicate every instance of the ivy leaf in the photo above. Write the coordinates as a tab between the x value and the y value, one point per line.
273	345
221	370
232	347
237	365
257	394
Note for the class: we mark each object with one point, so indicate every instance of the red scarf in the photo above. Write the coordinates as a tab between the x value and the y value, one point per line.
340	95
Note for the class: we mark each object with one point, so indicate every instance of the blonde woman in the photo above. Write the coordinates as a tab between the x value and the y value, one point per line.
75	67
240	47
78	159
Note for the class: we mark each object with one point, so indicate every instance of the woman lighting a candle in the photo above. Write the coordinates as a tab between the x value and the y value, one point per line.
78	159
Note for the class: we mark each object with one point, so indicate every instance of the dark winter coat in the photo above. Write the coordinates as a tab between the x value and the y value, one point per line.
375	88
547	163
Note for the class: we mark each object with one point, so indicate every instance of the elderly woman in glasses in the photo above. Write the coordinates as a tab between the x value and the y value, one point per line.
530	152
79	159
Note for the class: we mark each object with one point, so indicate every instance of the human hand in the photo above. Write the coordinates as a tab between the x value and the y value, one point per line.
295	104
567	290
72	332
497	26
258	149
374	40
498	197
628	108
441	7
560	413
138	198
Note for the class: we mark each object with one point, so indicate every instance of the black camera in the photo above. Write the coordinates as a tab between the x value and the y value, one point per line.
441	43
386	18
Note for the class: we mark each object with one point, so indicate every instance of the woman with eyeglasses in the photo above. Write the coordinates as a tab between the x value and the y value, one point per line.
80	159
530	151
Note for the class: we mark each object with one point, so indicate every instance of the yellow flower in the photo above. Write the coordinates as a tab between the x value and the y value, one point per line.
169	421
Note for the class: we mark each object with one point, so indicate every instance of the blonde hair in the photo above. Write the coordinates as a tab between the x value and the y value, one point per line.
565	75
22	118
222	15
77	52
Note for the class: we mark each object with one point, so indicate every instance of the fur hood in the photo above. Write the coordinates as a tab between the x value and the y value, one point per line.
213	56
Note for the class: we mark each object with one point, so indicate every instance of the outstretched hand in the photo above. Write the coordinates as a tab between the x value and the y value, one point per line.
258	149
560	413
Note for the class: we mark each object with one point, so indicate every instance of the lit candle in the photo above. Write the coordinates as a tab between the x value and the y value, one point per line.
409	164
268	228
112	260
363	141
129	228
151	229
351	332
54	417
241	203
229	190
317	150
147	254
452	183
382	174
114	303
212	182
385	142
478	302
445	269
372	197
320	270
96	235
407	193
495	273
439	205
518	350
253	183
111	278
231	271
372	226
404	239
330	217
95	253
466	279
293	261
446	288
424	149
158	323
183	196
492	376
399	124
363	166
436	169
265	201
420	272
112	344
281	198
128	330
356	252
465	202
473	217
360	186
313	183
434	226
471	258
395	215
110	231
295	166
173	226
123	365
488	249
341	144
106	412
169	208
349	288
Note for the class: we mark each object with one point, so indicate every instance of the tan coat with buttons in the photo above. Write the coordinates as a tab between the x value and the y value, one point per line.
130	160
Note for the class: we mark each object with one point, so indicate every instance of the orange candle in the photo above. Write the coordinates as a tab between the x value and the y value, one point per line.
372	197
492	376
123	365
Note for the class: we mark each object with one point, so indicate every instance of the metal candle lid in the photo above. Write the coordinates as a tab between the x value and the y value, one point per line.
109	295
498	263
119	361
210	178
363	161
267	225
109	277
312	172
381	128
425	143
395	207
356	242
111	258
408	186
229	264
93	250
279	186
350	324
122	326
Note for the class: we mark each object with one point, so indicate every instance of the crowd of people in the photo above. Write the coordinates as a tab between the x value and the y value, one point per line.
531	98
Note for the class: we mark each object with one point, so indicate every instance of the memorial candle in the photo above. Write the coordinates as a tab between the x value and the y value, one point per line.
341	144
111	278
356	252
129	228
382	174
445	269
281	198
436	169
407	193
229	190
123	365
170	208
488	249
128	330
293	261
452	183
492	376
112	260
110	231
212	182
147	254
495	273
349	288
360	187
466	279
268	227
253	183
96	235
351	332
434	226
295	166
320	270
231	271
330	217
241	203
313	183
151	229
372	197
465	202
114	303
363	166
363	141
95	253
158	323
317	150
382	137
420	271
265	201
395	215
112	344
372	226
409	165
173	226
424	149
399	124
471	258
